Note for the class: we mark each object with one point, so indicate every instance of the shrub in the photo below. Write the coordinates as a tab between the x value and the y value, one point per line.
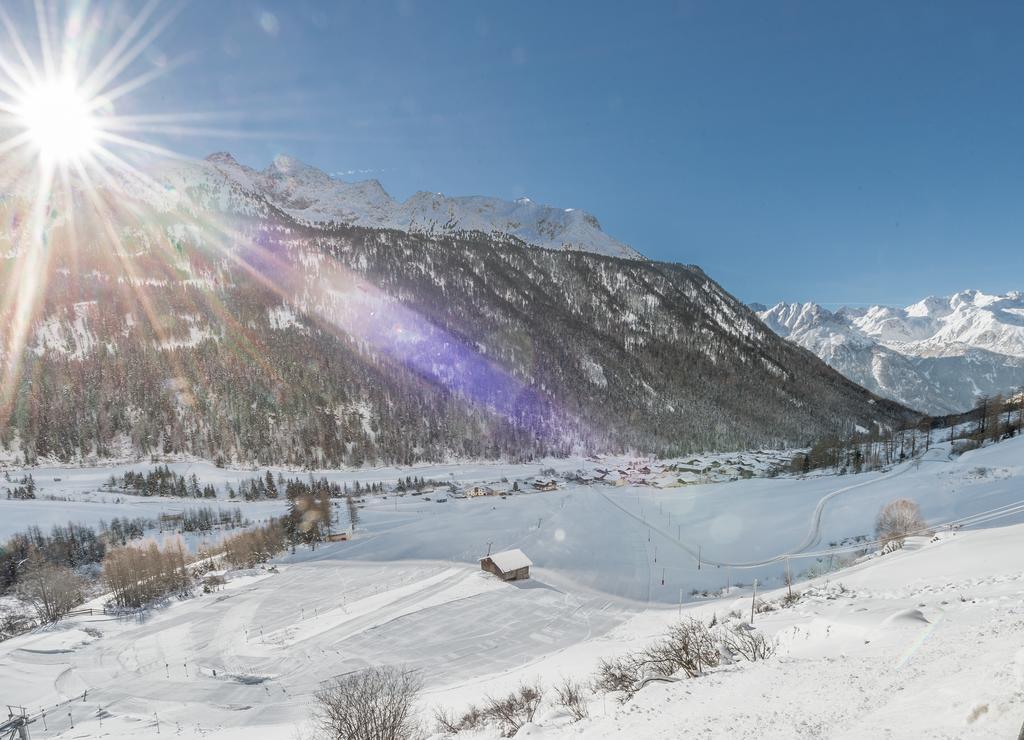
515	709
572	699
471	719
374	704
690	647
621	675
747	643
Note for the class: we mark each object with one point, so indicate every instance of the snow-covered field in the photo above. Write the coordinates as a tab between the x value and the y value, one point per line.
611	563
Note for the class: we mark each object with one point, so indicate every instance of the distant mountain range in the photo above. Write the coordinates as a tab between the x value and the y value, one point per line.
937	355
286	317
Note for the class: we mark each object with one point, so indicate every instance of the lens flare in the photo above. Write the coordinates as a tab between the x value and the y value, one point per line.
78	174
59	121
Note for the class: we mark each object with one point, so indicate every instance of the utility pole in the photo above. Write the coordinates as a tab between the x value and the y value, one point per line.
698	556
753	600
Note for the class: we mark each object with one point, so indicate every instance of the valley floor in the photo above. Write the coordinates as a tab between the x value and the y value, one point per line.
927	642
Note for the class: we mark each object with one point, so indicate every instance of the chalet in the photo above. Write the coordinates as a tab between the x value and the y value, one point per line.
545	485
337	537
476	491
510	565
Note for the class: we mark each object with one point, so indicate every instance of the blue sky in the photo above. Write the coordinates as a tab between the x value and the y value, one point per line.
839	152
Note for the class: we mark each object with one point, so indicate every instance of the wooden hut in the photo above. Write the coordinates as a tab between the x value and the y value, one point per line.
510	565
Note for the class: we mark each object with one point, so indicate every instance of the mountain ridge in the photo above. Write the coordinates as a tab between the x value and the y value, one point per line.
937	355
312	196
210	322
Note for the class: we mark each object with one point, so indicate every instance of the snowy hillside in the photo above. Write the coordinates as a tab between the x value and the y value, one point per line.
936	355
312	196
924	642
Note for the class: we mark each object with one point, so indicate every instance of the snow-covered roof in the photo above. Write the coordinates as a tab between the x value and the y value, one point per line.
509	560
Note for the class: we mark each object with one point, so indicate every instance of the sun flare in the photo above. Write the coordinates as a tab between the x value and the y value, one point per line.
59	120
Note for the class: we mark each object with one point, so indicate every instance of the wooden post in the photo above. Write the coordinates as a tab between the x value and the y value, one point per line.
698	556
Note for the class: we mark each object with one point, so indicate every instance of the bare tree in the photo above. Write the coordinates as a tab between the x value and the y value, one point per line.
137	575
51	590
897	519
374	704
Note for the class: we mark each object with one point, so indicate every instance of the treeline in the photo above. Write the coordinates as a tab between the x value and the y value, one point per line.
161	481
309	516
137	575
72	546
205	519
992	419
254	546
24	489
78	546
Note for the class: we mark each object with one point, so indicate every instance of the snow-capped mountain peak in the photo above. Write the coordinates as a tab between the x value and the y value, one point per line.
312	196
936	355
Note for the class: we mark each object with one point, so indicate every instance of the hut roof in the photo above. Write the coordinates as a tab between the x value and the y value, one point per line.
509	560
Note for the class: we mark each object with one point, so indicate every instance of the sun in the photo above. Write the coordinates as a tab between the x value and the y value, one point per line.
59	121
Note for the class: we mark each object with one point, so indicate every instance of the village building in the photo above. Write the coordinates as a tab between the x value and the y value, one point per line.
476	491
510	565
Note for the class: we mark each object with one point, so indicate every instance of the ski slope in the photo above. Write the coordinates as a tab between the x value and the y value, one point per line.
611	565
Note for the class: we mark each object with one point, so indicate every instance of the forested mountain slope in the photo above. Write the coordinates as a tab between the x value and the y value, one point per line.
213	323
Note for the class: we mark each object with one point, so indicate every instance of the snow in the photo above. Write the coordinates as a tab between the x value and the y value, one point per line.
510	560
933	327
935	355
313	196
923	642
